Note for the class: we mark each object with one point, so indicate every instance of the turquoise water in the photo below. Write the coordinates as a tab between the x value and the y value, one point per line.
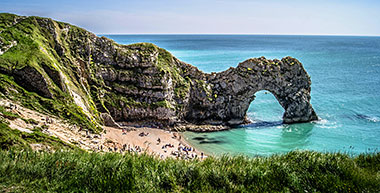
345	73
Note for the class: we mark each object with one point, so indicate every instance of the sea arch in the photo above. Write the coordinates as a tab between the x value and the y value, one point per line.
233	90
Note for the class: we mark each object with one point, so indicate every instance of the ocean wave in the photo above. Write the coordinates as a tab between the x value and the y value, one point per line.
326	124
321	121
374	119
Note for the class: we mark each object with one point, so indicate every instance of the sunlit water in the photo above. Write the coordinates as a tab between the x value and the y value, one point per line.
345	73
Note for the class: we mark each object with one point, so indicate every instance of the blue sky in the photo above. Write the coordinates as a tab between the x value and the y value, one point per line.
314	17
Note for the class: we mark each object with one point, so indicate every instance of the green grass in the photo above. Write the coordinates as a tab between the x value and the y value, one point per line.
4	113
72	171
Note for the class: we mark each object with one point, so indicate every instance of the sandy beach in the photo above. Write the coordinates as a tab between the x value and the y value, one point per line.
153	141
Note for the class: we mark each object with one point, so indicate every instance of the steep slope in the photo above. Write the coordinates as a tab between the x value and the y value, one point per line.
67	71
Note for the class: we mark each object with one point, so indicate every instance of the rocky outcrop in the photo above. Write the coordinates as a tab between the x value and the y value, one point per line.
108	120
144	84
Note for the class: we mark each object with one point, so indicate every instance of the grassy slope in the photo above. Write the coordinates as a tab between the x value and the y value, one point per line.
94	172
35	48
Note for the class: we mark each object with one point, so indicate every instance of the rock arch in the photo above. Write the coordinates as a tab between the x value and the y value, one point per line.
229	93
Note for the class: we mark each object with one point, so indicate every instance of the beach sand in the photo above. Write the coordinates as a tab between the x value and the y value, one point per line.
149	142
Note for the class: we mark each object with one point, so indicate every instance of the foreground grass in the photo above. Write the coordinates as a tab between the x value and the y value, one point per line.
73	171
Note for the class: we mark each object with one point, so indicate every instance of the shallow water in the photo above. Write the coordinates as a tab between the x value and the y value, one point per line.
345	73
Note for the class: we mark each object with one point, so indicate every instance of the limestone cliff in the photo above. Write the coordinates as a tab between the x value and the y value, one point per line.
72	73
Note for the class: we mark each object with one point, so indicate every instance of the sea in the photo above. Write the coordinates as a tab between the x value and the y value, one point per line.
345	91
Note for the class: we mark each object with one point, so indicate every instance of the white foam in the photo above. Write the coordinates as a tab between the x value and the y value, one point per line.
321	121
374	119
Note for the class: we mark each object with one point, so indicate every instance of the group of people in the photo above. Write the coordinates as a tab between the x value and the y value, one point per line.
167	145
142	134
175	136
12	106
185	152
164	147
135	149
125	148
48	120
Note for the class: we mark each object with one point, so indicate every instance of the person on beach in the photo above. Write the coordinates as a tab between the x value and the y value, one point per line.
12	106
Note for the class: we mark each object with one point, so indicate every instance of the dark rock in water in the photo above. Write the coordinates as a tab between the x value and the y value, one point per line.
366	117
199	138
213	141
144	84
362	116
263	124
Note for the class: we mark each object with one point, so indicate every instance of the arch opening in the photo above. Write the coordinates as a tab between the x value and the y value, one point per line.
265	110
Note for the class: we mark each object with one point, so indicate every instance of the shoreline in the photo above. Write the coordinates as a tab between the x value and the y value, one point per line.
205	152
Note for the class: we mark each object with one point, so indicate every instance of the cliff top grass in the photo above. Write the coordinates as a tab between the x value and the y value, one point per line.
298	171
